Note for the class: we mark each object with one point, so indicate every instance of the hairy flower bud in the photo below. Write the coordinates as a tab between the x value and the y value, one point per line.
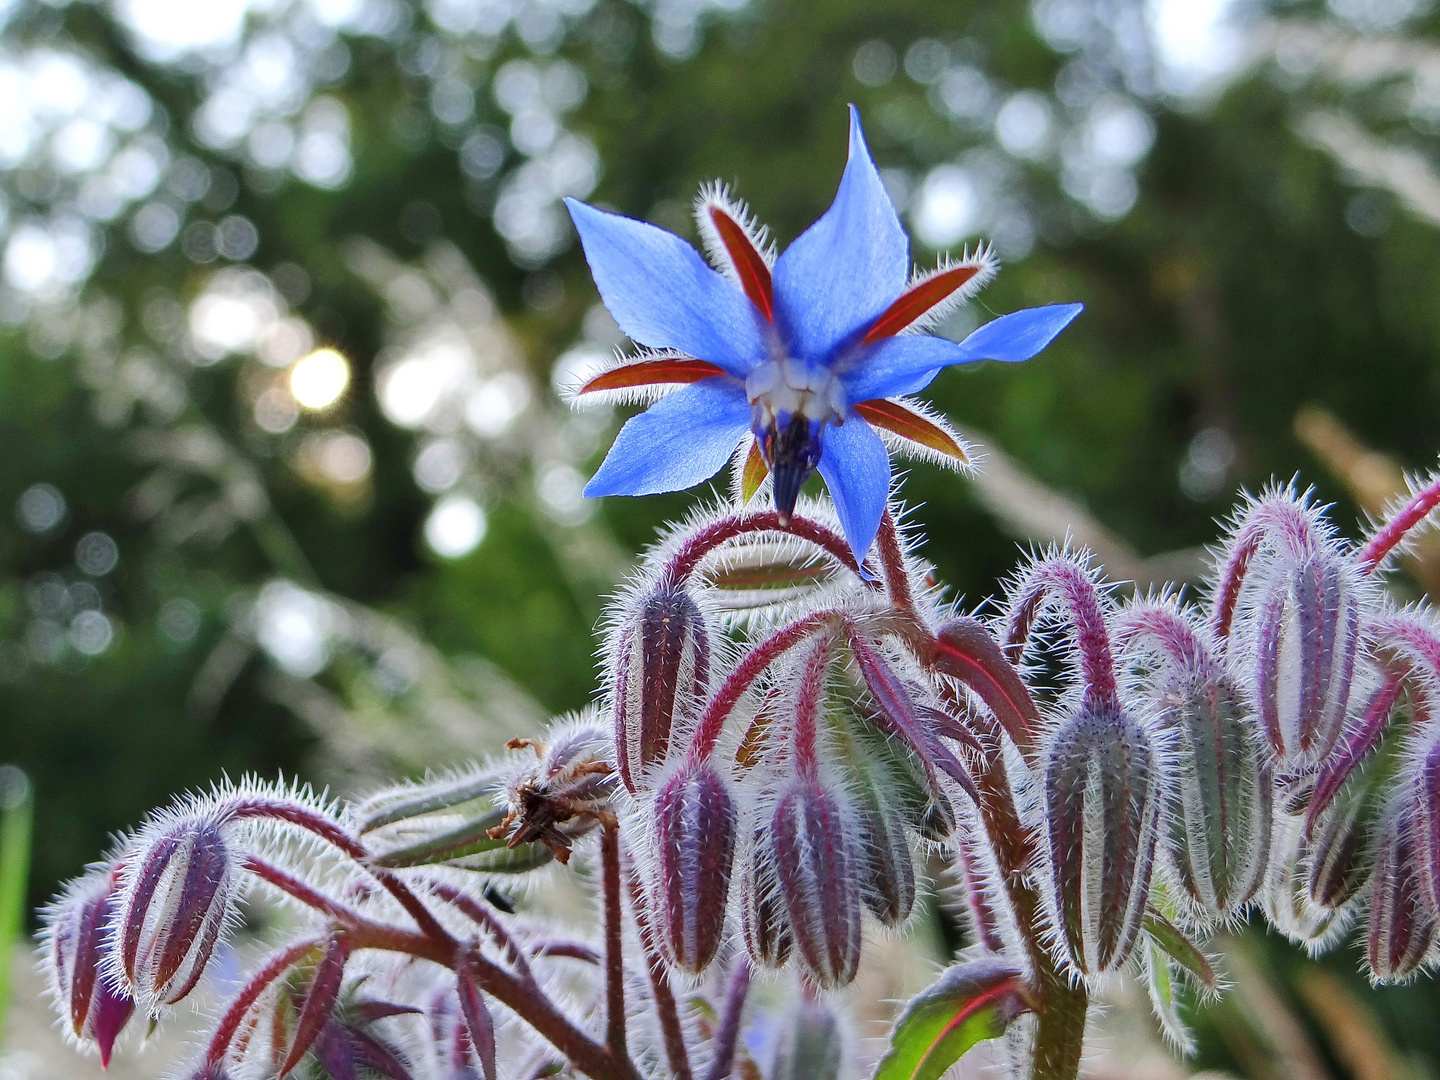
763	918
1340	849
1306	636
887	880
1286	896
1402	922
662	667
1220	827
178	888
818	864
1101	805
694	829
77	926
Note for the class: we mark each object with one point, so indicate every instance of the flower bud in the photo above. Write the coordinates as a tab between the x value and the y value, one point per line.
1101	806
77	927
1339	848
763	918
1402	922
887	869
810	1044
694	823
1220	827
1305	641
662	667
177	892
818	865
1286	895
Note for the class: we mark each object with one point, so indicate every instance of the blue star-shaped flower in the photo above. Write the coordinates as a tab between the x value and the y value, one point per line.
805	351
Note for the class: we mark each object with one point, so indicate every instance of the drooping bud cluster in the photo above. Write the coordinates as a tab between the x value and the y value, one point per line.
788	726
813	813
1100	779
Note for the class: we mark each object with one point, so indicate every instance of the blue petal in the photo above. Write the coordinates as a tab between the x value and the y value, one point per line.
1021	334
682	439
856	468
663	294
846	268
906	364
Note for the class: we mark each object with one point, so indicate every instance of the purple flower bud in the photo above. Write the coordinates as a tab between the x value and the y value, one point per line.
694	823
887	868
1306	636
178	889
1402	922
77	926
1286	895
818	864
662	667
1220	827
763	917
1339	847
1101	806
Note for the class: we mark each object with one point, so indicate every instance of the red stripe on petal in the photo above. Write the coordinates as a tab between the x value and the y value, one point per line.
649	372
908	424
750	265
915	302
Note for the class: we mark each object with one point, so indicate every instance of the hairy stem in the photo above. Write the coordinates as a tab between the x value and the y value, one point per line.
728	1033
614	942
684	562
892	559
746	672
1378	548
671	1031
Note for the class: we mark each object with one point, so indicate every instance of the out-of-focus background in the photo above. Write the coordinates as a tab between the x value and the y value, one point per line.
287	291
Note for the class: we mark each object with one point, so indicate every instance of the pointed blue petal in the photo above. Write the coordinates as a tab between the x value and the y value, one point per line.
856	468
663	294
1021	334
905	364
846	268
682	439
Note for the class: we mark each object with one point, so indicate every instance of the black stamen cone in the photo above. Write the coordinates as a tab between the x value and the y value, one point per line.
793	455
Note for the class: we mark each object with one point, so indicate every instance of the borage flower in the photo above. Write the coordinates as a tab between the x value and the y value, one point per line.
805	352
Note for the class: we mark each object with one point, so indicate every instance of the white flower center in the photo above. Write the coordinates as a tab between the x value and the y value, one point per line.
781	389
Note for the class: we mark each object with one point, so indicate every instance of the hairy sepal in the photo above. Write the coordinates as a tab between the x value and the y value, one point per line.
694	827
1101	805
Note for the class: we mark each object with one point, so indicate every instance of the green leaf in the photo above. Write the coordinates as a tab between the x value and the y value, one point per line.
971	1002
1182	950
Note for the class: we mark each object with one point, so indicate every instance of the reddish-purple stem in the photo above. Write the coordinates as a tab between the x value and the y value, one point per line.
614	941
1278	518
892	559
1080	601
229	1024
683	563
722	1063
479	914
1345	758
808	703
300	890
745	673
672	1034
1168	630
305	818
1389	535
